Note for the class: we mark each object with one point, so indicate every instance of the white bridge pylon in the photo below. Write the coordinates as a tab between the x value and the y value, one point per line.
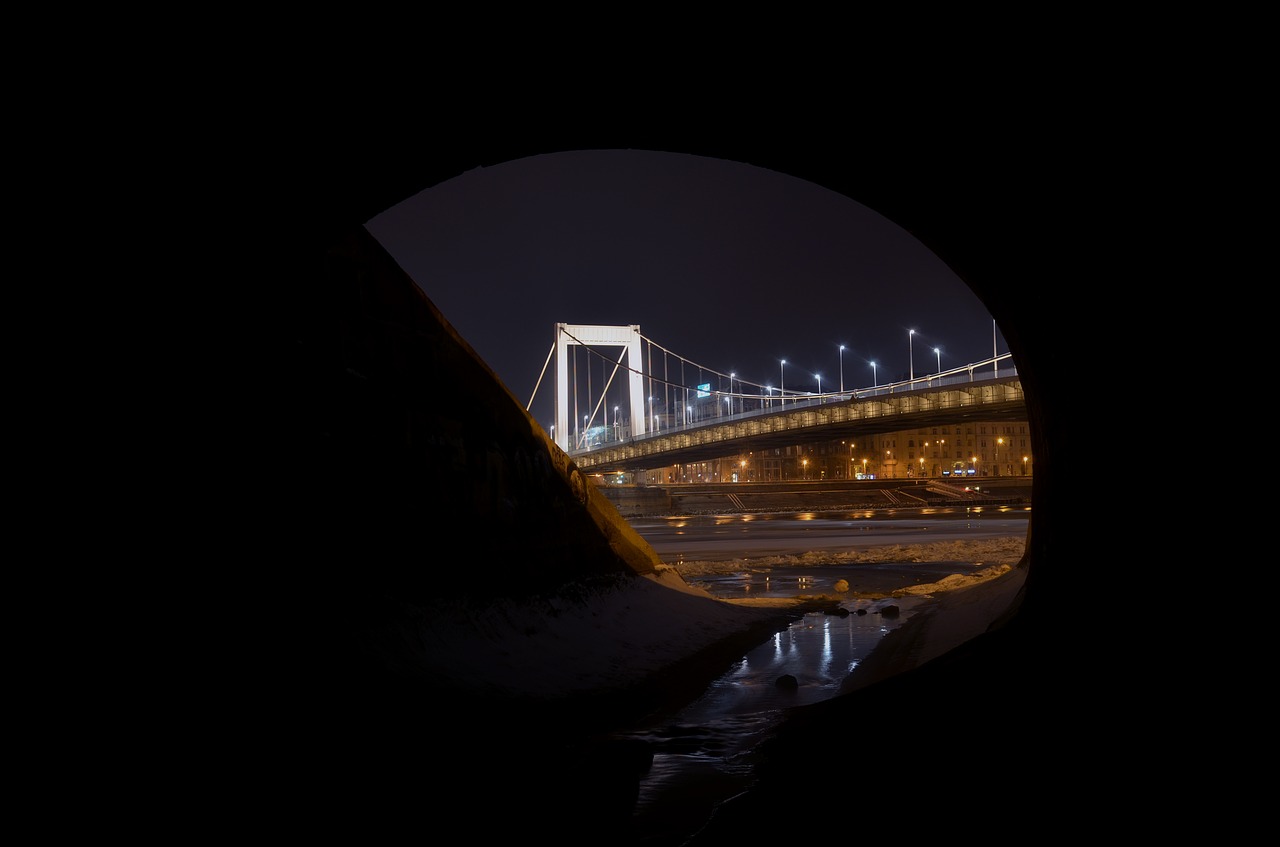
598	336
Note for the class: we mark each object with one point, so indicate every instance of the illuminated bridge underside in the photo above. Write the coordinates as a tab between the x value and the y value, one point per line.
990	400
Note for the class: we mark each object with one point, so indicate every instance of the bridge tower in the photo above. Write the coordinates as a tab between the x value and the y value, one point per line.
598	336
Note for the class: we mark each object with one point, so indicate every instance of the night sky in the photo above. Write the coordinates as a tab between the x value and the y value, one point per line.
729	266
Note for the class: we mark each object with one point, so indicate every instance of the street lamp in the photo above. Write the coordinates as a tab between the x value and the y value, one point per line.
874	383
819	378
731	376
651	415
911	352
999	444
805	462
938	353
782	379
688	415
769	388
841	368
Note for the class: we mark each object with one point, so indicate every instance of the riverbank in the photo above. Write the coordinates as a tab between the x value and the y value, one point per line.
522	700
889	568
634	501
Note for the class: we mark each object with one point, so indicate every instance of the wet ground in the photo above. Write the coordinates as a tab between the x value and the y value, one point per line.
702	752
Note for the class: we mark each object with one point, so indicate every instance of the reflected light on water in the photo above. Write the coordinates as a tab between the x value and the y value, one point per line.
824	664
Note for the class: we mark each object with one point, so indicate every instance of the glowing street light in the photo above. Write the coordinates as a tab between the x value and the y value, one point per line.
782	379
731	376
874	383
819	378
911	352
841	368
938	353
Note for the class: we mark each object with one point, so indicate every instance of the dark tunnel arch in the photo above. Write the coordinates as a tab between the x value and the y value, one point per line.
989	222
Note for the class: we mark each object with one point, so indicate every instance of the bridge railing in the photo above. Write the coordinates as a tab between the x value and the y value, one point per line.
766	405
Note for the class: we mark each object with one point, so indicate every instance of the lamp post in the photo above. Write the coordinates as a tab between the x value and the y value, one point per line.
864	468
805	462
841	368
731	376
651	415
938	353
615	423
819	378
999	444
782	380
874	382
911	353
769	389
1024	465
688	415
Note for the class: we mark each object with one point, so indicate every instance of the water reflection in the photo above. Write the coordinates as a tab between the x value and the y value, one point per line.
701	751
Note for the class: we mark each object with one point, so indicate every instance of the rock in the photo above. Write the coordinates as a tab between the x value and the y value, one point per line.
788	682
889	611
842	585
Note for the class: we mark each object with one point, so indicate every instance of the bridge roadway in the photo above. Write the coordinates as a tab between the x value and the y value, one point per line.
868	412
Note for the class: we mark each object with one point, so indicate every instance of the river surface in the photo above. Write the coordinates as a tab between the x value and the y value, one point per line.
685	538
702	751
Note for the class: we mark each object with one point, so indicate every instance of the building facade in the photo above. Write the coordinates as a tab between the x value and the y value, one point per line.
959	451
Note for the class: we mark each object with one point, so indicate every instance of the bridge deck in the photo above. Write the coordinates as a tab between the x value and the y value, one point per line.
989	400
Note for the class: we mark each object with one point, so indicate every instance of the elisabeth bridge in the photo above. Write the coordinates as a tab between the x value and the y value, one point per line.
672	415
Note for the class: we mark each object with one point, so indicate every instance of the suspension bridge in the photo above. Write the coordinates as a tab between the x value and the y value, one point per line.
668	418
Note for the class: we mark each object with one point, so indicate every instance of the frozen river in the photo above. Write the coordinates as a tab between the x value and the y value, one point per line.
735	536
701	752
